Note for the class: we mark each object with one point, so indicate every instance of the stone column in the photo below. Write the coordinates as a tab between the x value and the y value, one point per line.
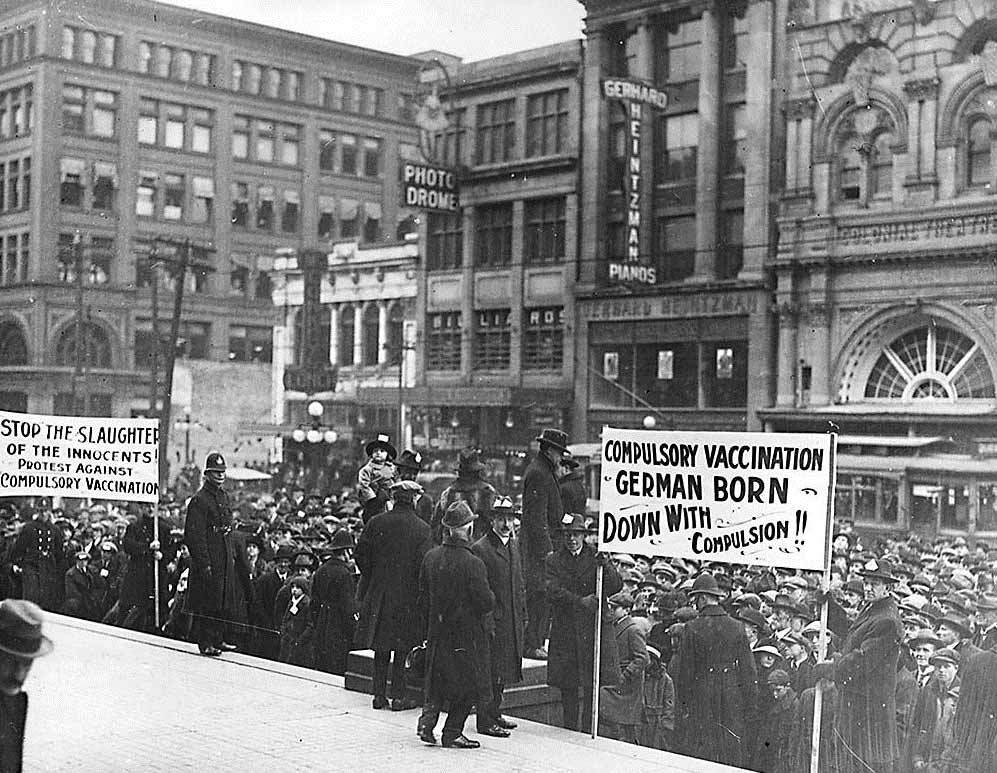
786	380
817	314
594	138
357	335
707	162
334	334
759	362
922	103
382	333
799	144
758	118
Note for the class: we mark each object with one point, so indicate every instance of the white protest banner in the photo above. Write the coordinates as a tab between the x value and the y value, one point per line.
73	456
733	497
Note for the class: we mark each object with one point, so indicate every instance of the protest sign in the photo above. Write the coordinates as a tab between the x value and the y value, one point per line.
73	456
733	497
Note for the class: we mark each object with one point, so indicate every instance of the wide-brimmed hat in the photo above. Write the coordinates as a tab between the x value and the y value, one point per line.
553	437
409	460
574	522
21	629
285	550
214	462
767	649
343	540
469	460
381	441
705	583
925	636
458	514
752	617
957	623
879	571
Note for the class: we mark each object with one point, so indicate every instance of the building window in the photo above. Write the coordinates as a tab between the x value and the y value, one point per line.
881	166
349	216
616	157
347	322
202	199
864	160
145	198
17	112
547	123
850	164
73	109
249	343
726	382
443	345
105	185
15	184
978	154
731	247
148	122
371	157
240	137
735	47
496	131
445	242
290	144
678	51
17	46
492	339
620	50
291	212
348	162
89	111
89	47
95	259
173	136
493	230
450	145
327	150
183	66
543	338
240	204
735	139
164	61
372	222
174	193
71	184
15	252
681	142
396	334
370	330
675	239
265	196
194	338
544	232
326	217
200	136
264	141
100	256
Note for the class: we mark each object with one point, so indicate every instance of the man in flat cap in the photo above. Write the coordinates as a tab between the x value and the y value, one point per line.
21	641
389	555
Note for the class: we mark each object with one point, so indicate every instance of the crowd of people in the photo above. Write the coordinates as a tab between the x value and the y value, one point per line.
714	661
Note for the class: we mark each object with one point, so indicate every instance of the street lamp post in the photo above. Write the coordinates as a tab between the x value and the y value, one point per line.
314	432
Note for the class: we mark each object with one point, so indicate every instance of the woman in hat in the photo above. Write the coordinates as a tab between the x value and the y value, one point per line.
296	627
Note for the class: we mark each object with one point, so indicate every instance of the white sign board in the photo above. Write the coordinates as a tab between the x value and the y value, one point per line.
733	497
72	456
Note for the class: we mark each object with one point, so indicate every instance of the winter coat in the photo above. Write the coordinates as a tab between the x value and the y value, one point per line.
508	618
623	703
774	743
973	745
82	595
209	517
296	635
389	555
334	611
569	581
13	715
920	744
37	550
542	509
137	584
479	495
574	498
866	675
714	673
454	601
238	585
657	719
803	729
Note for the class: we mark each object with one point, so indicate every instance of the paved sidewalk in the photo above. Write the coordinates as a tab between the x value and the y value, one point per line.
113	700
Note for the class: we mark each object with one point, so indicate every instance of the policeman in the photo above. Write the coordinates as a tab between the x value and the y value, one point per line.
209	519
34	556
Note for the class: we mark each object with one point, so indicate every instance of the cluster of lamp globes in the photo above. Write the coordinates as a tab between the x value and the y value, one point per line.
315	433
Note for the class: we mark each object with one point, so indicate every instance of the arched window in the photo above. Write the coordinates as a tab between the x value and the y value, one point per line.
371	331
346	335
978	153
13	349
931	362
68	42
396	328
850	170
881	166
96	346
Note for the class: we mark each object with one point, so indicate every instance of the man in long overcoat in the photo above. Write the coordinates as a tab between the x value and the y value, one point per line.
620	706
469	487
267	629
333	606
389	555
137	587
500	554
542	510
455	599
209	518
714	673
571	589
34	556
865	673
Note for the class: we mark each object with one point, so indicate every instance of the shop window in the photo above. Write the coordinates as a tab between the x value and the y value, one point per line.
865	498
726	379
986	518
444	341
544	233
543	338
493	230
347	326
611	376
445	243
492	339
665	374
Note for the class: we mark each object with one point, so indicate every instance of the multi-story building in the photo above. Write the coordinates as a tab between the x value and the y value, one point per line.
885	274
495	348
672	312
147	120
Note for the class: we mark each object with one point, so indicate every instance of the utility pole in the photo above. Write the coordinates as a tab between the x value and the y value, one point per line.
154	271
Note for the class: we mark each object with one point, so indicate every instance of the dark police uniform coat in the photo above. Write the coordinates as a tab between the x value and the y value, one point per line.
569	579
542	511
334	610
209	517
505	578
389	554
714	673
455	600
37	550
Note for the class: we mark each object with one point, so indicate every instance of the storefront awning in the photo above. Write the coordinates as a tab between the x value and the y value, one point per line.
891	441
937	466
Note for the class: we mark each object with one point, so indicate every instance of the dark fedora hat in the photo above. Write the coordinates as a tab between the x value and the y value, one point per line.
878	571
553	437
381	441
469	460
458	514
343	540
21	629
409	460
